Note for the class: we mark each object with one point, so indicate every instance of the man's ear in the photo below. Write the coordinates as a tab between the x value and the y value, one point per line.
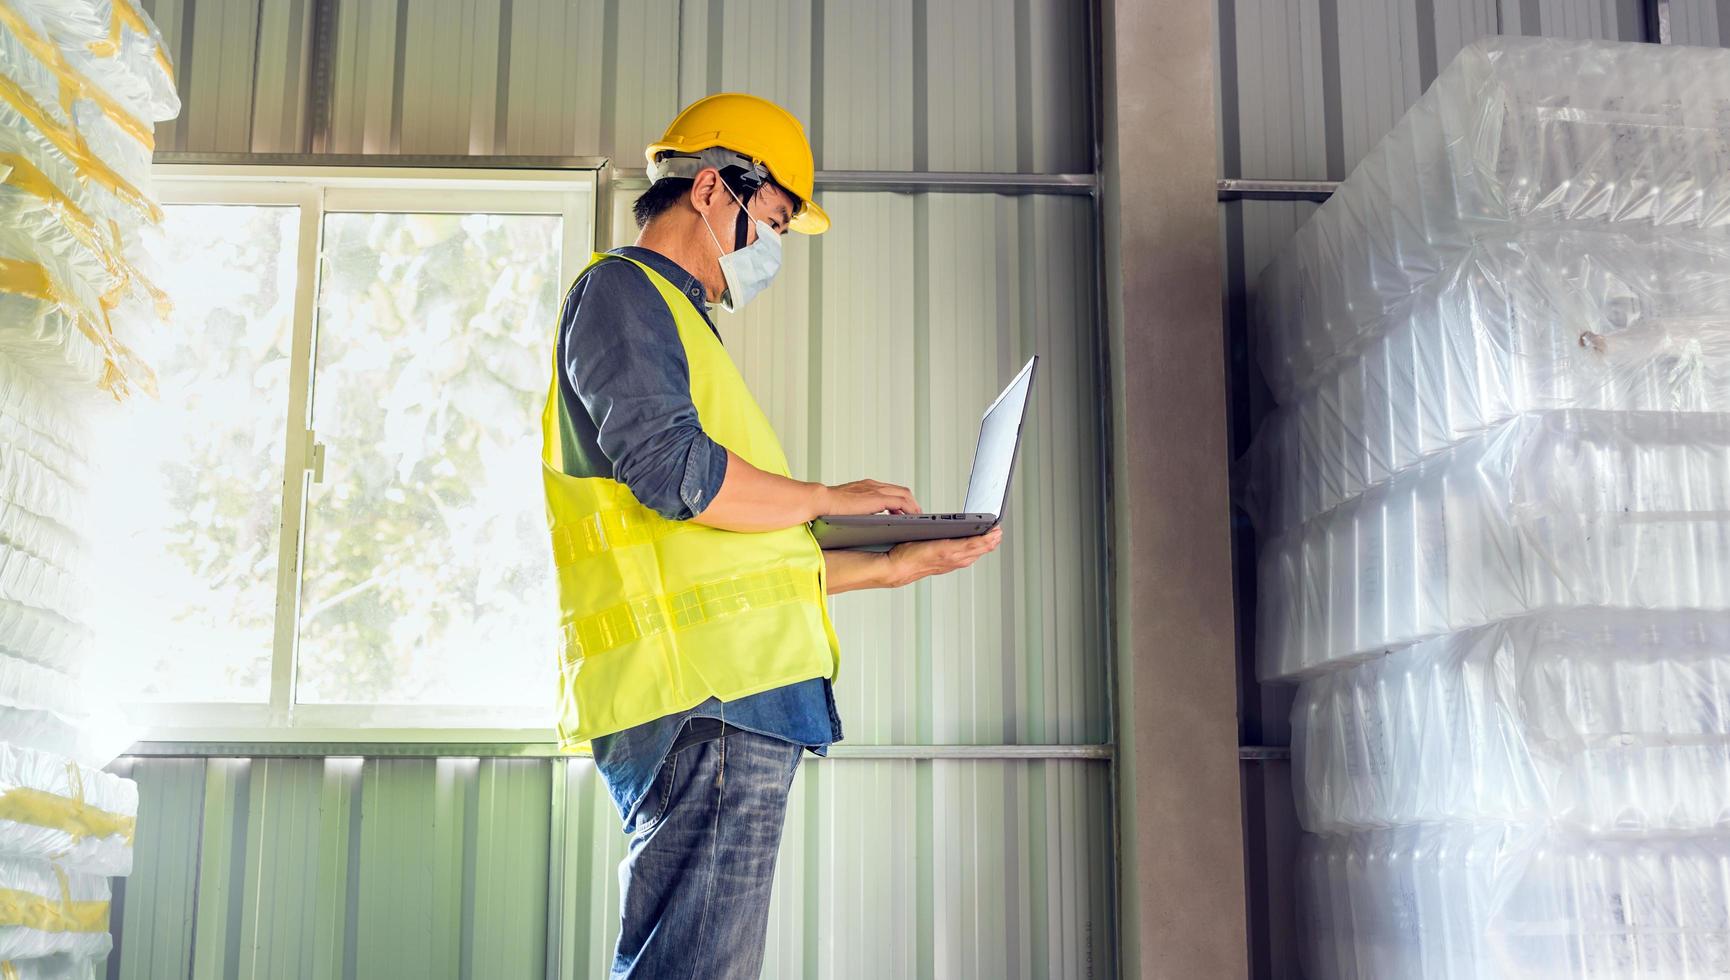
707	191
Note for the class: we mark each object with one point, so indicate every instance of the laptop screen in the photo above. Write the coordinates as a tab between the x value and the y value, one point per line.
994	457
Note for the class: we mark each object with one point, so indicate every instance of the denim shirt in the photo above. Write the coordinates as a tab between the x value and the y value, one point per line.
625	413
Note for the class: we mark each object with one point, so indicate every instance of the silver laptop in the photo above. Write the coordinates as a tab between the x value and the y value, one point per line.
987	487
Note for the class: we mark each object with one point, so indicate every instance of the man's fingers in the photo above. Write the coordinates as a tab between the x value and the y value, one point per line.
898	499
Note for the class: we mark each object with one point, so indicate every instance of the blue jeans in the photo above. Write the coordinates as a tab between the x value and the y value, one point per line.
696	877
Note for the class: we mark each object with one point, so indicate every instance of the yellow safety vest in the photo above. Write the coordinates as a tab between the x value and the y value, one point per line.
658	616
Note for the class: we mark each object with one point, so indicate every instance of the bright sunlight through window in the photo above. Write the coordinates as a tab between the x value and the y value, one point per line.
331	516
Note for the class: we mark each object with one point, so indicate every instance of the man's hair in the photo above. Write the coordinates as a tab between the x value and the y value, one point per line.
660	196
668	191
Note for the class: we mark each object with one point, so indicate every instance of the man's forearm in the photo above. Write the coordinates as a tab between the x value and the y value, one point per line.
753	500
849	571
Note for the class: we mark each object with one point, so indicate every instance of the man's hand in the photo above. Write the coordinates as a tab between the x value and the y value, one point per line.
913	560
905	563
753	500
864	497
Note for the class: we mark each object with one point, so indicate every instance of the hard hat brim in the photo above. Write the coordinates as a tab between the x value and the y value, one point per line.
811	220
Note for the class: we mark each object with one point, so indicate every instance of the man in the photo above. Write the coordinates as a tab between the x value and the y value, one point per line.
697	651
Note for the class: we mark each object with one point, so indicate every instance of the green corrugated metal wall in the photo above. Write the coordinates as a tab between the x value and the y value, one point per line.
490	869
920	304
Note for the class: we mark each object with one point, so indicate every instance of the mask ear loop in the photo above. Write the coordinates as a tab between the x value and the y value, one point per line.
743	222
742	196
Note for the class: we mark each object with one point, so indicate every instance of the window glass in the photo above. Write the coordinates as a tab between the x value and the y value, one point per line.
427	577
187	506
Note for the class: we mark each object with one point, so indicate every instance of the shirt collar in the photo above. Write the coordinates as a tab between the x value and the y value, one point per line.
671	271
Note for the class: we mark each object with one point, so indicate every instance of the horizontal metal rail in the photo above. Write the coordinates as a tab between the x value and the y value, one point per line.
549	750
910	181
1256	189
432	161
1263	753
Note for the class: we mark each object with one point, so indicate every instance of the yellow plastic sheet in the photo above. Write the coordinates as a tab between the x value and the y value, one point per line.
73	83
124	368
24	176
32	911
41	808
69	142
127	15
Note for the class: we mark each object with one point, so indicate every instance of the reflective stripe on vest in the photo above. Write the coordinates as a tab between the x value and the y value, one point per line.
657	616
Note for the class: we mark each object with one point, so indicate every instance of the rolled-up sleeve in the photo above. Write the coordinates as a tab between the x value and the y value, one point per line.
624	360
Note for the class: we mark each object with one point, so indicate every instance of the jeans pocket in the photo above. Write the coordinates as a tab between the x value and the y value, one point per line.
660	796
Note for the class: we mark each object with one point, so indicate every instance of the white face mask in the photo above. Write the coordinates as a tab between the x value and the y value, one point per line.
747	271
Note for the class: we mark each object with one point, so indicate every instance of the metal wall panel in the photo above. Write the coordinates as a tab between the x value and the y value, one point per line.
1705	23
439	868
152	911
967	85
243	73
1308	87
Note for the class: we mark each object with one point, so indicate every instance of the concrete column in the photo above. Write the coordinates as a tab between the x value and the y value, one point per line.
1180	831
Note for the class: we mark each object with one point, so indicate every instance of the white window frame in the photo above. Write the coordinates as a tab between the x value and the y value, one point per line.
574	195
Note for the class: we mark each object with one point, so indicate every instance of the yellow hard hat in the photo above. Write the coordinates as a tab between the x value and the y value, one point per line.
756	128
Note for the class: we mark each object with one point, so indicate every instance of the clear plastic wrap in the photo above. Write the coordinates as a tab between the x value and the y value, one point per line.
62	967
112	43
45	909
1463	902
1553	510
48	425
34	584
95	193
38	510
34	210
52	809
1616	318
1515	133
36	69
41	636
53	712
1599	722
57	146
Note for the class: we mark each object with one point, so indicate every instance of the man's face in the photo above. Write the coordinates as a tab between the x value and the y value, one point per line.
773	205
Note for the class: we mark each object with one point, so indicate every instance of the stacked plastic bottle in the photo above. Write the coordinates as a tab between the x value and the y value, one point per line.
1494	512
82	83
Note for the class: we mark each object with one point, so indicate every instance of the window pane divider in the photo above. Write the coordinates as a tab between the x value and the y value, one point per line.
297	453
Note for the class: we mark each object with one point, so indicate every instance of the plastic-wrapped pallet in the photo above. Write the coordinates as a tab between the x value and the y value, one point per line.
45	909
1635	319
81	84
113	44
1595	722
1512	902
1548	227
41	79
1554	510
1494	510
76	185
61	967
49	710
1517	135
56	810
